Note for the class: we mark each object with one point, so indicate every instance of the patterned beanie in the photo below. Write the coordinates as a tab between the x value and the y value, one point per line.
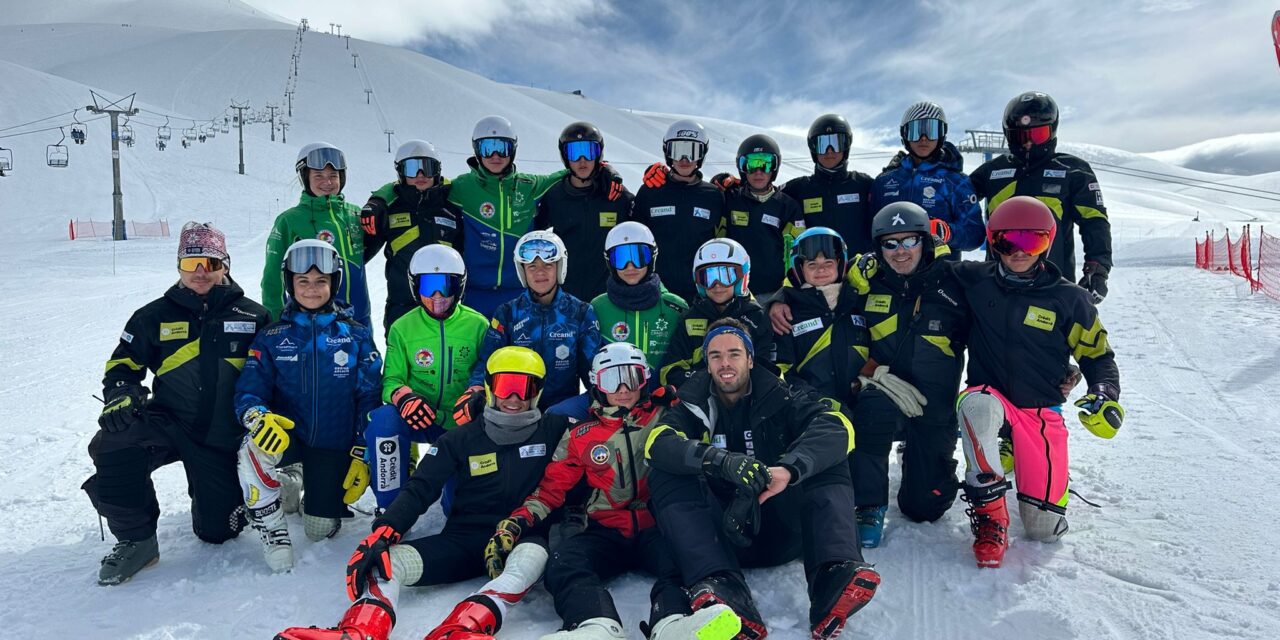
202	239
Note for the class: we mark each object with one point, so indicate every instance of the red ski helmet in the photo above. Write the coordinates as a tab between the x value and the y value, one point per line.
1021	213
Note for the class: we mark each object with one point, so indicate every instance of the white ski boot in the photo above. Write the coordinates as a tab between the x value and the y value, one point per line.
277	548
593	629
716	622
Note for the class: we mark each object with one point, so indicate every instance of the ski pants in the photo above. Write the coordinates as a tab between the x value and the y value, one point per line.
579	566
814	519
323	473
388	440
1039	456
457	552
122	492
928	465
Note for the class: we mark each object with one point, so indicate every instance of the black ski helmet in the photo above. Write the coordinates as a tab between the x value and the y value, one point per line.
828	124
759	143
897	217
1028	110
580	131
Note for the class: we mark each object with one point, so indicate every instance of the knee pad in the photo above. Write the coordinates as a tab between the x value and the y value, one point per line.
1043	523
981	417
259	480
406	564
318	528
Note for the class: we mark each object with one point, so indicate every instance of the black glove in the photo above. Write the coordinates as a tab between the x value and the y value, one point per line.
371	215
664	396
1095	280
373	554
124	410
725	181
739	469
415	411
742	518
611	181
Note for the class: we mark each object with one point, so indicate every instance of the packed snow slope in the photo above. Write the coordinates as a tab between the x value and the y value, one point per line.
1182	544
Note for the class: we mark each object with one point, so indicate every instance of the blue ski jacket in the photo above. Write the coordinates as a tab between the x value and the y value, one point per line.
941	187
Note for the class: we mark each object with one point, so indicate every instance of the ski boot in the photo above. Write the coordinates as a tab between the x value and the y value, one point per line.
732	591
277	548
716	622
990	525
475	618
128	557
593	629
367	619
870	525
838	591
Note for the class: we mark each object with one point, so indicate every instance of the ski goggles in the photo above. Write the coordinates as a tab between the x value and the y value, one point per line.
713	274
690	150
582	150
613	379
325	156
531	250
1010	241
635	254
445	284
931	128
190	265
1034	135
486	147
504	384
411	167
753	162
829	246
303	259
829	142
892	244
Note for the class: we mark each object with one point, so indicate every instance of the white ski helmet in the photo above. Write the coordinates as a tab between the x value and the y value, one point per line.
318	155
438	259
305	255
689	130
618	354
630	232
723	251
416	149
544	244
493	127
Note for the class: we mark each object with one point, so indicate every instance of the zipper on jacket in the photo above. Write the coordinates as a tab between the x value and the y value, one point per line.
635	482
315	375
440	381
504	223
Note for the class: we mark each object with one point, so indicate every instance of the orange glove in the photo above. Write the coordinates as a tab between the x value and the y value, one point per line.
941	229
656	175
469	405
725	181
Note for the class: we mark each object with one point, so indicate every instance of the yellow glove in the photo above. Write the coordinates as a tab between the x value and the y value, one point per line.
861	269
357	479
504	539
268	431
1102	416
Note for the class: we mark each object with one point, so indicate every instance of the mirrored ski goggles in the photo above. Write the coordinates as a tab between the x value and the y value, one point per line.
892	244
612	379
1034	135
411	167
582	150
1010	241
829	246
635	254
486	147
829	142
210	264
326	156
753	162
445	284
931	128
303	259
713	274
690	150
523	386
531	250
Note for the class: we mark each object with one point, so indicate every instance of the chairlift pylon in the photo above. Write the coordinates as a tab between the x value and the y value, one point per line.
6	159
56	155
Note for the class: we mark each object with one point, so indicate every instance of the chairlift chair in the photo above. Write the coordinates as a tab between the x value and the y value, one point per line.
163	132
126	134
189	134
6	159
79	132
56	155
212	132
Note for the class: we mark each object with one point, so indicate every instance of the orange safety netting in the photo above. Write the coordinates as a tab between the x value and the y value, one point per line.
1266	278
102	229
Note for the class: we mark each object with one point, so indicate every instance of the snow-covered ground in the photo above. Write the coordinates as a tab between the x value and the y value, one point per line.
1182	546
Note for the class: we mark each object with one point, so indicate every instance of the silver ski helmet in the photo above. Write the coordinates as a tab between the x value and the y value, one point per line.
305	255
494	134
685	139
318	155
544	245
416	156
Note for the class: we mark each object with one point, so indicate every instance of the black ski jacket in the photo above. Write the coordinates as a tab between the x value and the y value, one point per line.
826	348
840	201
1022	339
760	227
583	218
682	217
195	348
684	351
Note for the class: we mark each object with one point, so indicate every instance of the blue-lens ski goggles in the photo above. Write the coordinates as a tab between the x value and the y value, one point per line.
638	255
833	142
931	128
582	150
530	250
445	284
411	167
486	147
725	274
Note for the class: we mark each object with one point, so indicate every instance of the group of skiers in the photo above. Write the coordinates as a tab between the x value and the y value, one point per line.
742	398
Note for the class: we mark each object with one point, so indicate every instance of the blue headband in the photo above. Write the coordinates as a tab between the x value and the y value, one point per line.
723	329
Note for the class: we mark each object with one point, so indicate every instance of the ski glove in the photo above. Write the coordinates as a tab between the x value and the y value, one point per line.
504	539
739	469
268	431
373	554
1095	280
615	181
940	229
1102	414
124	410
664	396
656	175
1070	380
742	519
371	215
908	399
725	181
469	405
357	479
415	411
861	269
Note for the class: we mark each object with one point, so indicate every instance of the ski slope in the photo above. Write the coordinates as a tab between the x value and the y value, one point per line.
1182	544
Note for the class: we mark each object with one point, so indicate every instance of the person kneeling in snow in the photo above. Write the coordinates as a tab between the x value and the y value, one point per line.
498	460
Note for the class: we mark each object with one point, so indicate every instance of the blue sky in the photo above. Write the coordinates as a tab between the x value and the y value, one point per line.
1142	75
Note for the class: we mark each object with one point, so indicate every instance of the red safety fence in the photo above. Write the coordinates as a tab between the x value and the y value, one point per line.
102	229
1223	255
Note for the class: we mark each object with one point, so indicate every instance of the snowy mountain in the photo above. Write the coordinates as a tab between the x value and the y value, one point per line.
1181	546
1245	154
